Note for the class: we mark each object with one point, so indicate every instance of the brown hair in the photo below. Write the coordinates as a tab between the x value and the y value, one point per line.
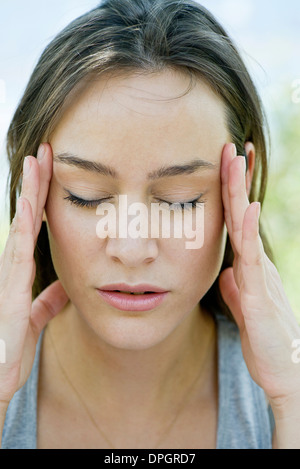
138	36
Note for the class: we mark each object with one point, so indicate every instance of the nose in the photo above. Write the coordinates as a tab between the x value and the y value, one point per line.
125	245
132	252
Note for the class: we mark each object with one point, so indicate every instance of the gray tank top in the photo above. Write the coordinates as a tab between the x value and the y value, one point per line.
245	420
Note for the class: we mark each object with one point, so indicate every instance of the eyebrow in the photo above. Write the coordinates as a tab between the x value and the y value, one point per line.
105	170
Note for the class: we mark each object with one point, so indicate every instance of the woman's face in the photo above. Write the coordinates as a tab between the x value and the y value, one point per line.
134	125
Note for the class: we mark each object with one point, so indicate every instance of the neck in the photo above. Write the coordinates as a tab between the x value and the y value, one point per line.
104	374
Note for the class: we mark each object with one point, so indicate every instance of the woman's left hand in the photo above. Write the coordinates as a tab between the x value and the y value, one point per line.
253	291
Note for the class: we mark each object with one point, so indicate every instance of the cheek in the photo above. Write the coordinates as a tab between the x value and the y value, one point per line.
73	240
199	268
194	271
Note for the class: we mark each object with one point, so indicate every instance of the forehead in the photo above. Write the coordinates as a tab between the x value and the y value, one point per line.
144	117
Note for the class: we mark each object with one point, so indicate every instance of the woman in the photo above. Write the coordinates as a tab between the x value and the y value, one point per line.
150	100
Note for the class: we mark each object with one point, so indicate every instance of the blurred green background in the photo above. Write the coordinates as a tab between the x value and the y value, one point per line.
268	37
282	204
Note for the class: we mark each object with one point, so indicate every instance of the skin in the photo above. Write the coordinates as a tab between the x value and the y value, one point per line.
114	359
146	135
177	330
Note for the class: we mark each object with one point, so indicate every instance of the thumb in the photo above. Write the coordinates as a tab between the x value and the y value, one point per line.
47	305
231	295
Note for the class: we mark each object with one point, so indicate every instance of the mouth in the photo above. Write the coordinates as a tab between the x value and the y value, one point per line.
128	300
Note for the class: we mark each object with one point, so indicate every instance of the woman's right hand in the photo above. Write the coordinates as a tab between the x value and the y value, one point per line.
21	320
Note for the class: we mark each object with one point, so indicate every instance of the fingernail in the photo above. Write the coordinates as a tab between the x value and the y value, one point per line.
234	151
20	207
244	164
41	152
26	166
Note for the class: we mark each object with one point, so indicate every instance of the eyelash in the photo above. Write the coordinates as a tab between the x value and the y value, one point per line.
94	203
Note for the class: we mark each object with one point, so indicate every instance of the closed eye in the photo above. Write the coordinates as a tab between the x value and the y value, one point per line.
85	203
79	202
185	205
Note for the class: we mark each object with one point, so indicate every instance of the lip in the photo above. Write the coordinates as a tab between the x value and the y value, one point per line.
126	302
142	287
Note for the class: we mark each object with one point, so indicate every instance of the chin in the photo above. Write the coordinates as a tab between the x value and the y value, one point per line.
130	332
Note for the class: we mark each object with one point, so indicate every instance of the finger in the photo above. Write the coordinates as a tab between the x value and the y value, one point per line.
29	193
238	199
44	158
31	183
35	185
231	295
17	262
47	305
253	260
229	153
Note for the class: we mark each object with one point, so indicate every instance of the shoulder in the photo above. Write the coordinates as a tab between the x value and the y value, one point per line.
19	430
246	419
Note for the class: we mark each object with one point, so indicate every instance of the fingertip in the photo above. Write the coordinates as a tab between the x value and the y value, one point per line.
49	157
45	163
48	148
255	208
41	152
228	150
44	150
233	150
